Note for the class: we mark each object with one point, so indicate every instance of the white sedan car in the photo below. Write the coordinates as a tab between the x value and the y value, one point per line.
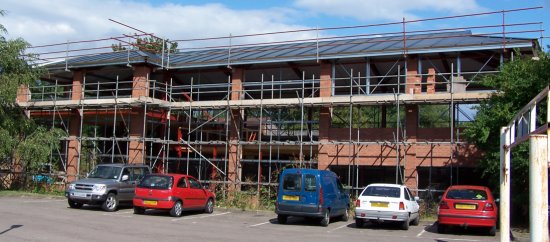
387	202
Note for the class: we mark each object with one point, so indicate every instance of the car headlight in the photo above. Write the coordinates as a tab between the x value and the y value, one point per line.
72	186
99	188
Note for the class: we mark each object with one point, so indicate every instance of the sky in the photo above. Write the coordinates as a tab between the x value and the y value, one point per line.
57	21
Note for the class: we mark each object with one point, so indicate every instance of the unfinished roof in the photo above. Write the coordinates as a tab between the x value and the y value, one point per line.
304	51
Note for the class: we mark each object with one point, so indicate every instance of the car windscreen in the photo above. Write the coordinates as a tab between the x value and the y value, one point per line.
375	191
156	182
292	182
105	172
467	194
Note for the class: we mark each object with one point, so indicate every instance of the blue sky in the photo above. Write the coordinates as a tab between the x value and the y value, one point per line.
55	21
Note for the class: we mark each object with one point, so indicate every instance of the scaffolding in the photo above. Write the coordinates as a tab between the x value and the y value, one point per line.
241	123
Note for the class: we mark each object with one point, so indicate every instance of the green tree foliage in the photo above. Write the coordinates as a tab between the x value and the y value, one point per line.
518	82
21	139
149	44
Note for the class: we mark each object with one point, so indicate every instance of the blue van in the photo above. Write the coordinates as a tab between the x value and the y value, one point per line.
311	193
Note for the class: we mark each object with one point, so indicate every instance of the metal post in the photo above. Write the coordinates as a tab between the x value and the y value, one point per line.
504	184
538	188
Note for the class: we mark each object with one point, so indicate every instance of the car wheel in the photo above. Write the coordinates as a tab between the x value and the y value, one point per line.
139	210
74	204
345	216
281	219
493	231
441	228
177	209
405	224
111	203
209	208
359	223
416	220
326	219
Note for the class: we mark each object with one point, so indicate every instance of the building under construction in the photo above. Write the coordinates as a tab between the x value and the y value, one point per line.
372	107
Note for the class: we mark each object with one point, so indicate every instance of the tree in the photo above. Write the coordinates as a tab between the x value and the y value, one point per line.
22	142
518	82
150	44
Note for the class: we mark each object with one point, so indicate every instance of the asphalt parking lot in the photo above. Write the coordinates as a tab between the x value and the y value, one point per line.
50	219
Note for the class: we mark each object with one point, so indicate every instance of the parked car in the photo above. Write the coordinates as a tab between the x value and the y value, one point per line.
107	185
173	192
467	206
311	193
387	202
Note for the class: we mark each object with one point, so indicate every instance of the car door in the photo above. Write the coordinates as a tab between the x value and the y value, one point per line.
310	196
126	189
197	193
412	204
343	197
182	192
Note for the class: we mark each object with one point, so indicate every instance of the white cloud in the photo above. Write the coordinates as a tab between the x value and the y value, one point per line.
368	10
57	21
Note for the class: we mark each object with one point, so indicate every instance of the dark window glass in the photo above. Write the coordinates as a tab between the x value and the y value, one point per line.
382	191
467	194
194	184
105	172
156	182
407	196
182	183
292	182
310	184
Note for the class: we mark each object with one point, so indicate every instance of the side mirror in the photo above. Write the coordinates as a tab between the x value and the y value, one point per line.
205	187
417	199
124	178
497	200
439	197
87	174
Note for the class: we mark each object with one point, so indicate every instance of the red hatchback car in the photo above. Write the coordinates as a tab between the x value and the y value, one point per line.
467	206
174	192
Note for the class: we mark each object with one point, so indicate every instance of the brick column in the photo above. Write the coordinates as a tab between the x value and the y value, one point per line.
140	81
430	89
413	85
324	115
411	119
136	153
23	94
73	146
140	88
235	149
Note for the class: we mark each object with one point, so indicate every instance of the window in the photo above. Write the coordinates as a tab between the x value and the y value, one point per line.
433	116
407	191
182	183
376	191
310	183
194	184
407	196
156	182
292	182
340	186
138	173
467	194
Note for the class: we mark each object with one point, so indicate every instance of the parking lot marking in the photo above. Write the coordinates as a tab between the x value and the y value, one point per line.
456	239
421	232
258	224
345	225
44	201
206	216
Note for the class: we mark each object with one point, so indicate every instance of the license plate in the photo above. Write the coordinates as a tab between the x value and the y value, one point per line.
465	206
149	202
79	194
379	204
291	198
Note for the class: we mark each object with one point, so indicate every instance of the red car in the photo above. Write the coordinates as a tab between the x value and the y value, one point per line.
174	192
467	206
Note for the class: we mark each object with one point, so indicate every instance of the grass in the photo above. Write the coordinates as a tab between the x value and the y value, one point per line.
17	193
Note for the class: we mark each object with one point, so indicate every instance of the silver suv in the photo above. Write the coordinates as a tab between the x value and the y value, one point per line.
107	185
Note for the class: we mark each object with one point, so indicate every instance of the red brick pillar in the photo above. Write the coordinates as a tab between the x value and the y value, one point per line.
136	154
140	81
73	151
235	149
411	119
324	116
413	85
23	94
430	89
140	88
